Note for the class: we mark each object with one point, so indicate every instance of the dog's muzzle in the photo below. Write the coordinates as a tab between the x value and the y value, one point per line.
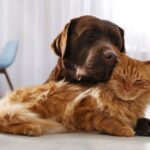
98	66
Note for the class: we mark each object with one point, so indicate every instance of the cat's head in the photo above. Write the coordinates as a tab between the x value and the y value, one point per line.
130	78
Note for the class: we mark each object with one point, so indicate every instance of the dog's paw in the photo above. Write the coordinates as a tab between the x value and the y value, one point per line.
143	127
32	130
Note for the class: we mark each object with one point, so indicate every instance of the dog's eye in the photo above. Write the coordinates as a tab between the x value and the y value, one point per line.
90	33
117	44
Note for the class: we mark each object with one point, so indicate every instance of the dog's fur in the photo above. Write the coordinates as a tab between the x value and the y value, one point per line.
112	108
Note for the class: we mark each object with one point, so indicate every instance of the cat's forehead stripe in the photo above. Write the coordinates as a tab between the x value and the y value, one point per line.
130	68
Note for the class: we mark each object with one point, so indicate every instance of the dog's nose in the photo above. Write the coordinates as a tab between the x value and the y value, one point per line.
110	57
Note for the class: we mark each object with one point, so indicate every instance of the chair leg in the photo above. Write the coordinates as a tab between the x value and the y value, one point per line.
8	80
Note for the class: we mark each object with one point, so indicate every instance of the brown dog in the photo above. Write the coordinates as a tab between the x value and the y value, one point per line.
81	39
89	38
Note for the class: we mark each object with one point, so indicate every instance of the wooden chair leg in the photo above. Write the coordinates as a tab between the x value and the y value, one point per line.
8	80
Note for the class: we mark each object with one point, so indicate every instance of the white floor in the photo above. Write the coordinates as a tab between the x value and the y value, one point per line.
73	141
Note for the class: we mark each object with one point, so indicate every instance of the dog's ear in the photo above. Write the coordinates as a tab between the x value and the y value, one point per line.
123	50
59	44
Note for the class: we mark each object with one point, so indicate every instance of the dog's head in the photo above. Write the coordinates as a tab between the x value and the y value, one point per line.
86	48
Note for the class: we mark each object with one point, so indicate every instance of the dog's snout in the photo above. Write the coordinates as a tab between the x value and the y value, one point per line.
110	57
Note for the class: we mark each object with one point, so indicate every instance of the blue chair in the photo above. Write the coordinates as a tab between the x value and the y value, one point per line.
7	58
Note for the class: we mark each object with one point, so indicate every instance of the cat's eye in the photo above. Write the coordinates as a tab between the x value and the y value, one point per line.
122	80
140	81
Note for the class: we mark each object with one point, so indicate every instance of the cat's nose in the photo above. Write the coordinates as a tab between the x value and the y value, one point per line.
128	88
110	57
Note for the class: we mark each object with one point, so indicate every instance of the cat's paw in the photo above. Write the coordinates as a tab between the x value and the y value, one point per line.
125	131
10	119
32	130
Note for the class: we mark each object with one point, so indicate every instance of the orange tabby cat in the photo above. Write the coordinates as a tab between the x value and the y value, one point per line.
111	107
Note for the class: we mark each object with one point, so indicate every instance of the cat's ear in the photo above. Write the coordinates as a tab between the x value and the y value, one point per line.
147	62
147	65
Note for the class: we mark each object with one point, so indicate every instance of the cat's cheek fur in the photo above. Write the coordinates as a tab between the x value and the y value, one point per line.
124	95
